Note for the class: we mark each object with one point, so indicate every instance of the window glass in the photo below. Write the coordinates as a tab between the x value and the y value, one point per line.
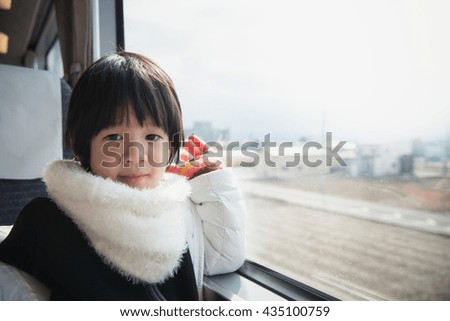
336	117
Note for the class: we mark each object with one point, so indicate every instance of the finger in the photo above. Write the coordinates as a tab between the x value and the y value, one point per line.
190	148
184	155
199	143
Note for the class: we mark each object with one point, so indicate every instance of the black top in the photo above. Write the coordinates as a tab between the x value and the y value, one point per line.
44	242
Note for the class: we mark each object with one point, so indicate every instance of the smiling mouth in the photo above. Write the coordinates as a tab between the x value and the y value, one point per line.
132	178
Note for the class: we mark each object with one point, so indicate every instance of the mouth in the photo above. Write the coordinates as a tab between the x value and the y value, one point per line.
132	179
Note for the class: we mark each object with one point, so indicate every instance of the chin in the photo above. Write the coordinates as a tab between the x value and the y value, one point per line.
145	184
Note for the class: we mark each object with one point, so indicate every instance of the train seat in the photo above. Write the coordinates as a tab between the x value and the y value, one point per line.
31	127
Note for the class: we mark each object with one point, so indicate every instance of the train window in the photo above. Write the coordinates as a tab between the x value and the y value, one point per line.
334	115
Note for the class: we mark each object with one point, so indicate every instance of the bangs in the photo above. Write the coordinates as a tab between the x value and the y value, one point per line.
124	92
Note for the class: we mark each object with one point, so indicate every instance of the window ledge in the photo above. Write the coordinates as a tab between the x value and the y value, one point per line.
254	282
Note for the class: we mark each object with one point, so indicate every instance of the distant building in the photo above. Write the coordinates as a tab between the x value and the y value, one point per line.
384	159
205	130
432	158
432	150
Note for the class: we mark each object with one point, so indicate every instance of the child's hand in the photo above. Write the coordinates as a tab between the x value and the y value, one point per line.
192	162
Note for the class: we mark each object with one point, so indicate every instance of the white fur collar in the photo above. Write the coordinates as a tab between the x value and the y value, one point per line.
140	233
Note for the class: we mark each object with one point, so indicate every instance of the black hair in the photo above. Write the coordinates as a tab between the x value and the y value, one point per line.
110	89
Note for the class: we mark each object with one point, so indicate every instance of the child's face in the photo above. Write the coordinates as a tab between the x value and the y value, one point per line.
130	153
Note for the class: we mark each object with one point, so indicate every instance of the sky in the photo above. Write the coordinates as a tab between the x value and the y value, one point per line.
365	70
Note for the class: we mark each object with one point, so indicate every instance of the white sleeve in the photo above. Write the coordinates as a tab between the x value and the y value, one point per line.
220	206
4	231
16	285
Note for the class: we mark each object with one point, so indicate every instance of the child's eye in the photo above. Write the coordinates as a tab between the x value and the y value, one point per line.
152	137
113	137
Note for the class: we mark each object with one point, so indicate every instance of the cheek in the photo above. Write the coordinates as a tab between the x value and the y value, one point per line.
101	164
104	172
159	155
98	168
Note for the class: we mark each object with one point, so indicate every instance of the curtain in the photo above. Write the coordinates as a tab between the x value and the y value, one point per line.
75	35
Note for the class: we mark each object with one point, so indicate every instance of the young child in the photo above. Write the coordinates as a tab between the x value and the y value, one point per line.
120	223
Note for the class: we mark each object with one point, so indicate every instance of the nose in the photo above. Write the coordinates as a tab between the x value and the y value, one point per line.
135	152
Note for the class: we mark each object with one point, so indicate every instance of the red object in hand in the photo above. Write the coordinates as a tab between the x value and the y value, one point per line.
193	148
191	158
